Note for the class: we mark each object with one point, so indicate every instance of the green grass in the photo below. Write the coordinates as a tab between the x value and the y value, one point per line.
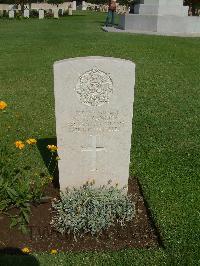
165	141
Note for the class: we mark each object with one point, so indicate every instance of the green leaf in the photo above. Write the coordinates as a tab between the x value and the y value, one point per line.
14	222
25	215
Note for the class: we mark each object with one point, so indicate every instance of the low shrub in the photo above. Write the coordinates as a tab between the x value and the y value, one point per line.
91	209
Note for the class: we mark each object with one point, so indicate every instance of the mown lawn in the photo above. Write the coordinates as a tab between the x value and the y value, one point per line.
166	125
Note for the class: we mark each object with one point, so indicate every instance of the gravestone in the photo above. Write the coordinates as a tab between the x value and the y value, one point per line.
26	13
94	108
70	11
41	13
84	6
55	13
74	5
1	13
11	13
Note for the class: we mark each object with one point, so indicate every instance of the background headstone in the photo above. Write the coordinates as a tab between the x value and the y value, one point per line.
41	13
70	11
26	13
74	5
11	13
94	108
84	5
55	13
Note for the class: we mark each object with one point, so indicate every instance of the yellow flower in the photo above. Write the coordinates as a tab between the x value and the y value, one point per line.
50	178
3	105
53	251
19	144
52	148
26	250
31	141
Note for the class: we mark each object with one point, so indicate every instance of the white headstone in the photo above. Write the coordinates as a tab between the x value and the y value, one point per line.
26	13
55	13
70	11
11	13
94	108
74	5
84	6
41	13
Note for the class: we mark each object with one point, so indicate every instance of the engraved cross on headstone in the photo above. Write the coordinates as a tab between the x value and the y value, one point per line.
93	149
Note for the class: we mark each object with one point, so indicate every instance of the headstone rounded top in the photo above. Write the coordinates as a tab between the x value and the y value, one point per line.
103	58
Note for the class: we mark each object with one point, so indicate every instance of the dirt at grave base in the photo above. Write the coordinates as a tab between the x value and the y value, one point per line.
140	232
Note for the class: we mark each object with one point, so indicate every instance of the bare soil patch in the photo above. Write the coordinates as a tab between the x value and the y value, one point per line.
138	233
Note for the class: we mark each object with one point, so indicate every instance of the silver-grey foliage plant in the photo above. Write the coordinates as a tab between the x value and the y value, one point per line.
91	209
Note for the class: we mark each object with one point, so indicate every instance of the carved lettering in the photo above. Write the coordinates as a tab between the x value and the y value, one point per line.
88	121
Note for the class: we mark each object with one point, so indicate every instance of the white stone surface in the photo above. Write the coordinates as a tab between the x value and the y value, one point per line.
161	16
11	13
41	13
70	11
74	5
55	13
26	13
84	5
94	108
162	7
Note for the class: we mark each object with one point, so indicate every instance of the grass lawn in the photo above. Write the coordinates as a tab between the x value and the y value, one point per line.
166	124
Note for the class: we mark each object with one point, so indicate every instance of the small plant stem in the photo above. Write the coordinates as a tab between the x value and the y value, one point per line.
50	161
54	168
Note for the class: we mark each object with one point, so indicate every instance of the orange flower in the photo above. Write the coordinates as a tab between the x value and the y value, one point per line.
31	141
19	144
52	148
3	105
53	251
26	250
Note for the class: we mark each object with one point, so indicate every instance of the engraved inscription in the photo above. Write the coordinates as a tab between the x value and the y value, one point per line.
94	87
88	121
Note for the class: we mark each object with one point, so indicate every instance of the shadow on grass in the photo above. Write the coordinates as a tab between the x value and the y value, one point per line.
50	162
14	256
151	219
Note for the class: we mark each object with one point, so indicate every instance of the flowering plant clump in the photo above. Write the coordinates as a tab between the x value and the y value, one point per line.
3	105
20	183
91	209
19	187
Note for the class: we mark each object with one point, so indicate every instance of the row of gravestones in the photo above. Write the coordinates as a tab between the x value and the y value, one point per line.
11	13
